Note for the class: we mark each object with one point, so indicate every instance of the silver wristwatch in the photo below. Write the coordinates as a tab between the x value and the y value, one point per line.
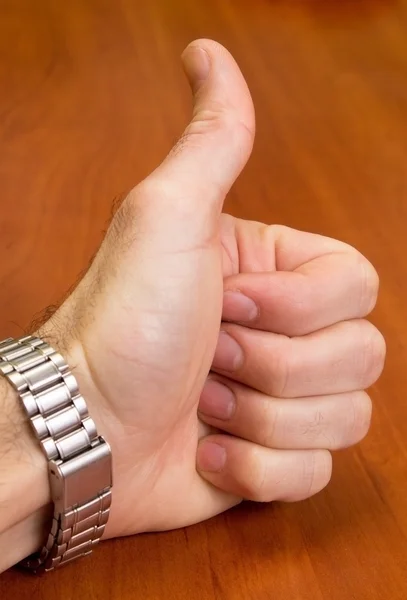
80	462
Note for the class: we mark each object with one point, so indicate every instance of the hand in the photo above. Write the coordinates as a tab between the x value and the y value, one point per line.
142	332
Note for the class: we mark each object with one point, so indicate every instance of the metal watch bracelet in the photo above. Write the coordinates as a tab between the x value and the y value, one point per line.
80	462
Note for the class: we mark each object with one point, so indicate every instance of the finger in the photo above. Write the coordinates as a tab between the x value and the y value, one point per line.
193	180
262	247
330	422
344	357
324	291
260	474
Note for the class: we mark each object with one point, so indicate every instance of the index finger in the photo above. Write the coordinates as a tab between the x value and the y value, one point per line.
316	282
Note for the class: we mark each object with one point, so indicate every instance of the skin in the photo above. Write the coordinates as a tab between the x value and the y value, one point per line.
222	359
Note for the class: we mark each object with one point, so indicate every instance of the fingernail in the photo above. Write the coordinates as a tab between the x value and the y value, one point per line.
238	307
196	65
210	457
228	353
217	400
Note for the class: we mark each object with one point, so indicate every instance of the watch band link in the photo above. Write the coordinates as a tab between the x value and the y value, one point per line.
80	466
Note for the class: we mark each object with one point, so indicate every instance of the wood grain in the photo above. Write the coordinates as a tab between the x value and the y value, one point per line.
92	97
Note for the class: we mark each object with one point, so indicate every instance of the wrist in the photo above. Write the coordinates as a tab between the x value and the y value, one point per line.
24	484
72	446
23	471
25	490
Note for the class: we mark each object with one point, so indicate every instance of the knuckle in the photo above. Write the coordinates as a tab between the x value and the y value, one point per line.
272	421
272	234
217	120
271	237
373	354
358	418
257	484
281	372
308	473
316	472
369	280
217	117
313	470
314	429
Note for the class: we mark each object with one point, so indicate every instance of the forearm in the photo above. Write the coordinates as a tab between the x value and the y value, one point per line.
24	487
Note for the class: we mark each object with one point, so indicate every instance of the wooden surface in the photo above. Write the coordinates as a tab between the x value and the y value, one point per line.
92	97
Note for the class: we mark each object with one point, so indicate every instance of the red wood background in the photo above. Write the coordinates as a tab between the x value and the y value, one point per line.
92	96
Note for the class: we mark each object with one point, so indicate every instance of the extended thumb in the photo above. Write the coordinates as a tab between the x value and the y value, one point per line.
192	181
